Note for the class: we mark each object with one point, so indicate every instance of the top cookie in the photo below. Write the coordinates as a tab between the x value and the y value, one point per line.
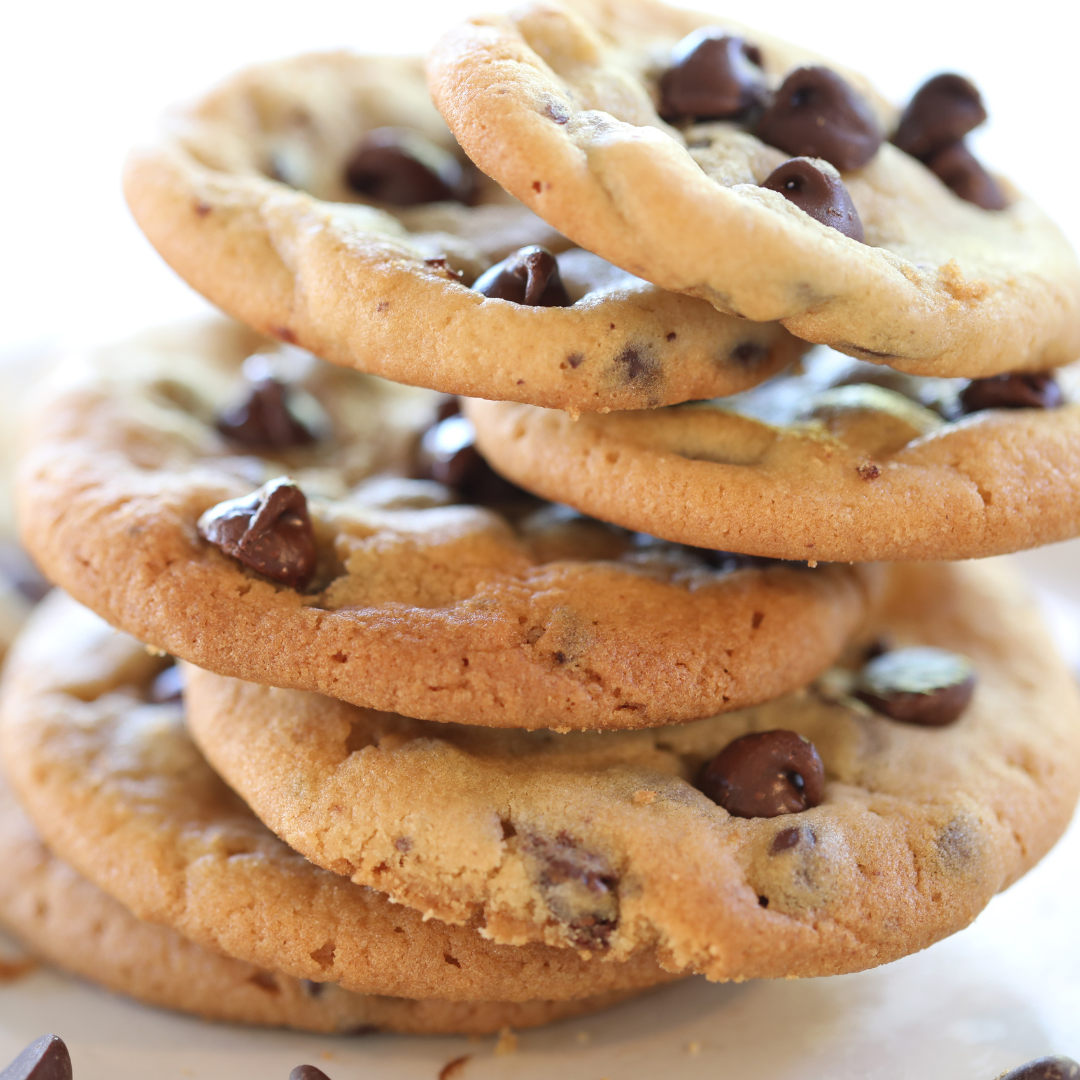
322	201
561	106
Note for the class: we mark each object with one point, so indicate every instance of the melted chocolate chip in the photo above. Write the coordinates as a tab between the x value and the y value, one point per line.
815	192
1019	390
46	1058
402	167
447	454
942	111
264	419
308	1072
713	76
958	169
1057	1067
921	685
765	775
168	686
530	276
818	114
269	531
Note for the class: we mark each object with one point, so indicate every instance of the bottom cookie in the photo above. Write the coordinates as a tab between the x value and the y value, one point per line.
71	923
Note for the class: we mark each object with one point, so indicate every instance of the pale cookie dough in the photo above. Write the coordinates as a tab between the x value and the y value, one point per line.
115	787
558	104
805	469
600	842
72	924
244	195
446	612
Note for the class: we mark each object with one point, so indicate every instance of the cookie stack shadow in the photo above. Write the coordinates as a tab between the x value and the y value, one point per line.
652	654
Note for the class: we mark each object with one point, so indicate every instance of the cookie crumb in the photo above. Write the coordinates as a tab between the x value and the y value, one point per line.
644	797
153	651
326	1055
507	1044
453	1068
868	470
693	1048
583	1037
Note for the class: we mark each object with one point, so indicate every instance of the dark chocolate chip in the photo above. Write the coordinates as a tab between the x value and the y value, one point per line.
942	111
269	531
448	406
313	989
168	686
784	840
529	276
1019	390
818	114
765	775
264	419
402	167
958	169
307	1072
815	192
46	1058
448	455
713	76
920	685
1057	1067
19	569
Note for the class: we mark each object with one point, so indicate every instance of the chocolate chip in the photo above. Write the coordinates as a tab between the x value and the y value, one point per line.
713	76
313	989
402	167
942	111
817	193
447	454
1057	1067
765	775
264	418
448	406
579	886
46	1058
1019	390
168	686
784	840
957	168
818	114
529	276
307	1072
19	569
269	531
920	685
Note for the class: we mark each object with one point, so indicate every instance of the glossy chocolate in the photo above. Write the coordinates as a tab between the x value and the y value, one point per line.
942	111
1017	390
46	1058
818	114
817	193
263	418
529	276
764	775
713	76
960	171
404	168
921	685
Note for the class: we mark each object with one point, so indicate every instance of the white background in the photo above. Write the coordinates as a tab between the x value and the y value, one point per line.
80	81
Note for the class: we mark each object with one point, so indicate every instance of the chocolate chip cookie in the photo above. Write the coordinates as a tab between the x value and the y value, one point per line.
721	163
280	519
322	201
831	830
94	744
71	923
846	461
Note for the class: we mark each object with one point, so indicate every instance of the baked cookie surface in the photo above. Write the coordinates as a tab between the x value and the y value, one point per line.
845	462
512	615
72	924
247	196
116	789
606	842
560	105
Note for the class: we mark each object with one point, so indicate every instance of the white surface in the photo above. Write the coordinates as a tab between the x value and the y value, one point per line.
79	82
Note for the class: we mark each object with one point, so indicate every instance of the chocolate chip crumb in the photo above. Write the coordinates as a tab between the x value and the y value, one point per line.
764	775
269	531
869	471
818	193
529	276
919	685
818	114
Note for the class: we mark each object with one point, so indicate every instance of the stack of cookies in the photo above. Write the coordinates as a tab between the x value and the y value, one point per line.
654	656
